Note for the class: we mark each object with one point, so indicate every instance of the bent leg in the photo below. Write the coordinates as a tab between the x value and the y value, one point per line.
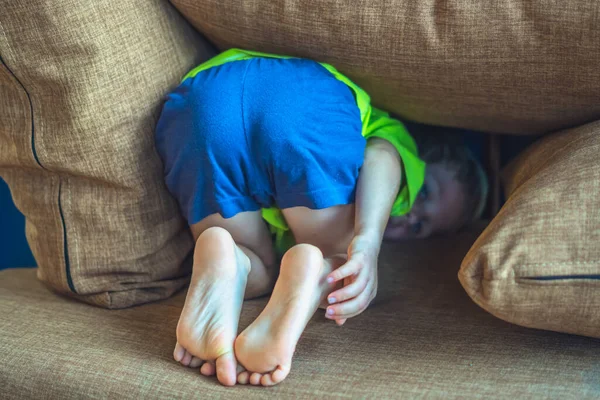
330	229
208	323
223	273
251	235
267	346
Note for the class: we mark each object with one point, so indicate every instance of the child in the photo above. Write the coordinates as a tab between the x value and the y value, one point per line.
251	137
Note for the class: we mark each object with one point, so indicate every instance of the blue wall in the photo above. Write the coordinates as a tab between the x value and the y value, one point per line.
14	250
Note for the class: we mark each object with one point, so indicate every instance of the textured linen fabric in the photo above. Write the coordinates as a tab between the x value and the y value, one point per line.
538	262
515	66
81	85
423	339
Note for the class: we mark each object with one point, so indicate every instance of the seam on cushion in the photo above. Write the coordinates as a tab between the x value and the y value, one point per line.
561	277
518	277
547	282
579	283
35	156
65	247
544	264
523	278
37	160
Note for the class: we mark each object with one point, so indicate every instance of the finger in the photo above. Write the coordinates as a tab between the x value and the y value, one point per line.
350	291
347	316
352	267
349	308
340	322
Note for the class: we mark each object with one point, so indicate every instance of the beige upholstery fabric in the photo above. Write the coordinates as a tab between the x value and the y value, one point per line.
424	339
81	85
538	262
515	66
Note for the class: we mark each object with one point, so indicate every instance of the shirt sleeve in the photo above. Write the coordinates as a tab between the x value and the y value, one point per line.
381	125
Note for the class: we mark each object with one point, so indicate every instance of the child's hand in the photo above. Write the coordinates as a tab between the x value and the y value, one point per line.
359	274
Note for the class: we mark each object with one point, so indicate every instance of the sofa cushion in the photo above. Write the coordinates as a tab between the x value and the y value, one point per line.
538	262
515	66
423	338
81	85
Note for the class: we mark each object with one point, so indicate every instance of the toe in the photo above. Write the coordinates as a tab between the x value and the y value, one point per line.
186	359
266	380
226	369
255	378
243	377
178	352
208	369
195	363
280	374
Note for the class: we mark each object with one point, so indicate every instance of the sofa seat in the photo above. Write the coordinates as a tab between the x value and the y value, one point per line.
423	338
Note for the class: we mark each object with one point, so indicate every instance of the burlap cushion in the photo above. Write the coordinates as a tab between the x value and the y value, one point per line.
423	338
538	262
81	85
515	66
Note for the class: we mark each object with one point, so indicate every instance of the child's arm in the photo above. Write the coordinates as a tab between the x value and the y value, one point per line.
378	185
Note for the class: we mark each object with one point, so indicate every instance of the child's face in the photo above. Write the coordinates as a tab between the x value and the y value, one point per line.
437	209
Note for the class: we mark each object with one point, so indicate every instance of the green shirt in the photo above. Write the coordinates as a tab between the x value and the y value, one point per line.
375	123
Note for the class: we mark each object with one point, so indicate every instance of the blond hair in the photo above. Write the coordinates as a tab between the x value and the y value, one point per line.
446	147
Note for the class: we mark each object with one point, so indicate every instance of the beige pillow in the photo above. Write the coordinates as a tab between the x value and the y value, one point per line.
516	66
538	262
81	86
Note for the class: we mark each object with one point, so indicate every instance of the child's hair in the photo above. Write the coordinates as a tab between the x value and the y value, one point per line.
444	146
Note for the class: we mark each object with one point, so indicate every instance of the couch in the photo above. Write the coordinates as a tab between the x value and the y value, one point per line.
81	85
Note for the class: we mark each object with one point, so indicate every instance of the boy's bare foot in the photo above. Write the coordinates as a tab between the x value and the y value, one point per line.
266	347
208	323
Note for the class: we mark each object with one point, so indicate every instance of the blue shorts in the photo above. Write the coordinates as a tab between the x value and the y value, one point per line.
260	133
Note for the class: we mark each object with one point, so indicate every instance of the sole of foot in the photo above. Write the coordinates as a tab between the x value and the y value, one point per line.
267	346
209	320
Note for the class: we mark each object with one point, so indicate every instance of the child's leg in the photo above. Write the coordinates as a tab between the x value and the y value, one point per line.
222	273
330	229
266	347
252	237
